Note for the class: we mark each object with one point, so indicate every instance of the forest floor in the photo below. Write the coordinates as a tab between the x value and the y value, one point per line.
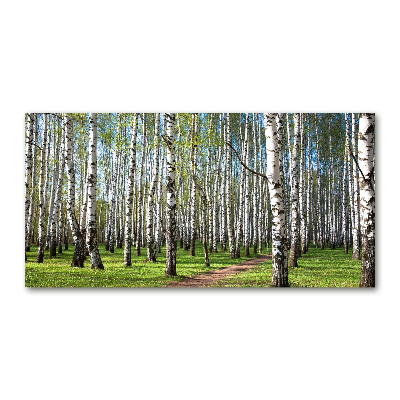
57	272
317	268
208	279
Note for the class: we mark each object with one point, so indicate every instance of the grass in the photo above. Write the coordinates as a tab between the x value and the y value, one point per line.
316	268
57	272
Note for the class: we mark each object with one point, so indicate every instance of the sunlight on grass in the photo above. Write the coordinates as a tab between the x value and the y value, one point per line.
57	272
317	268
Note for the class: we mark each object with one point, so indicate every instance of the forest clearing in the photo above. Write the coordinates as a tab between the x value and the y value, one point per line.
157	199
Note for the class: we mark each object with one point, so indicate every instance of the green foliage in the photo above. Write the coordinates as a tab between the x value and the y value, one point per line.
58	273
317	268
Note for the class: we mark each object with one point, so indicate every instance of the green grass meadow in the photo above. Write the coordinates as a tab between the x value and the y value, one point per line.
57	272
317	268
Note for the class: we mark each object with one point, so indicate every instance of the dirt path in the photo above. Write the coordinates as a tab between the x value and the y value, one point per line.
209	278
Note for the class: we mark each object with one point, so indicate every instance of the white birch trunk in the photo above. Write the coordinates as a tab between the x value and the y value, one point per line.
193	158
139	228
58	196
42	210
129	197
239	226
28	174
171	245
255	189
91	230
356	231
279	239
303	222
151	255
294	191
366	139
158	233
228	192
79	253
33	187
246	145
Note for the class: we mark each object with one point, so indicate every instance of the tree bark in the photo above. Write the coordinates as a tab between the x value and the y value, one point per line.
42	210
79	253
193	158
151	255
28	174
356	196
129	197
171	243
246	145
228	192
294	191
91	231
57	197
367	197
279	239
33	180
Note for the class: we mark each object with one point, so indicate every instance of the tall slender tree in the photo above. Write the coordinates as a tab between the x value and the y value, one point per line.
28	173
79	252
279	237
91	232
294	190
151	254
367	197
42	210
171	244
129	197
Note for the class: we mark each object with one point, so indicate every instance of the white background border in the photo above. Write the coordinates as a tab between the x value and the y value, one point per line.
209	56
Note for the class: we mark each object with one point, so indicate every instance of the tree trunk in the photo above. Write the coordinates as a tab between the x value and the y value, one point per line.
171	244
366	138
193	157
279	239
294	191
140	191
246	146
356	232
91	232
58	195
79	253
40	254
228	192
129	197
151	255
33	179
28	173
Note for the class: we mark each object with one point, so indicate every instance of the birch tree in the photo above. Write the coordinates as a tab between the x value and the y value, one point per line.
356	232
279	237
294	190
58	191
91	231
246	145
171	244
129	197
42	210
151	255
193	159
228	191
34	126
79	253
367	197
140	191
28	174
